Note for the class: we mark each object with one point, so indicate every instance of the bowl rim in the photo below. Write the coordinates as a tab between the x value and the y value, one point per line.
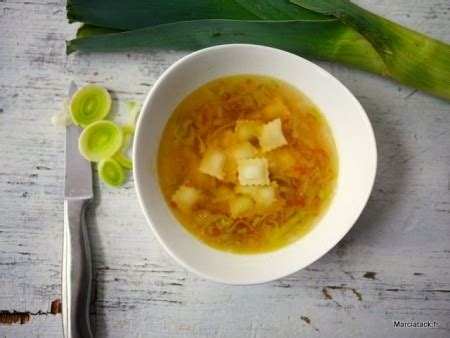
295	268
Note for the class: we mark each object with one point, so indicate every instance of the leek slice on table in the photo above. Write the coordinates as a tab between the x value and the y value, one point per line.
133	14
111	172
124	161
128	132
90	104
100	140
133	111
409	57
120	156
62	117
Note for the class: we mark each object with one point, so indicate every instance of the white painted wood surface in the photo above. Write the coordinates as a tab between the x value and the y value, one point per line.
403	235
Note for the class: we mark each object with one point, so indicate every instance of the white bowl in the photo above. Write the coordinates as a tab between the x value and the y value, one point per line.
352	132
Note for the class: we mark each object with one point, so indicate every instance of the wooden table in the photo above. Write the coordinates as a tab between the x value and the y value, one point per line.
393	265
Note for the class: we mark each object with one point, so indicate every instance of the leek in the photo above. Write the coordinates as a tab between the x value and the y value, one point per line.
409	57
133	14
124	161
133	109
89	30
62	117
322	39
111	172
128	131
89	104
100	140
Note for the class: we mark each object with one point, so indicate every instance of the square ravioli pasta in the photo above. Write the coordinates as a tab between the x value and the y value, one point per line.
253	171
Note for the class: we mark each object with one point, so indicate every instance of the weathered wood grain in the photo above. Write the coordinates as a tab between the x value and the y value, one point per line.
393	265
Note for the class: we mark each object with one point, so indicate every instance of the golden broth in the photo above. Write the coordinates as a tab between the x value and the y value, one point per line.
202	153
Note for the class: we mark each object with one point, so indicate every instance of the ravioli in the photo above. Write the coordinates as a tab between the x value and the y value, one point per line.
253	171
272	136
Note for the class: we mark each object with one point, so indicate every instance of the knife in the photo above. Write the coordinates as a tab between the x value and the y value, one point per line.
77	267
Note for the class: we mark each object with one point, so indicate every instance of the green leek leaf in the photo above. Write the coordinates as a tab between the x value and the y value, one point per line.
409	57
133	14
89	30
320	39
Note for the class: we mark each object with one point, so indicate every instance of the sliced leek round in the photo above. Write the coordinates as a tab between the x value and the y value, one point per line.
123	160
90	104
111	172
100	140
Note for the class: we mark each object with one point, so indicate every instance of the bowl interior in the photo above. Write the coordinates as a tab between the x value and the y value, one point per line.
353	135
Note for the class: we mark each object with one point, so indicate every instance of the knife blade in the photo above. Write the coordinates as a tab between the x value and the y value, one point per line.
77	266
78	178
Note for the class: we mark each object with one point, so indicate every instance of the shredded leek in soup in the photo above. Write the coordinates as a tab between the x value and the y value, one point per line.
247	164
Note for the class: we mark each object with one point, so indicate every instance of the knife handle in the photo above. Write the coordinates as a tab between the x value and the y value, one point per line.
77	271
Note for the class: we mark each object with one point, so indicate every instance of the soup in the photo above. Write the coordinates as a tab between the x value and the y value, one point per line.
247	164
